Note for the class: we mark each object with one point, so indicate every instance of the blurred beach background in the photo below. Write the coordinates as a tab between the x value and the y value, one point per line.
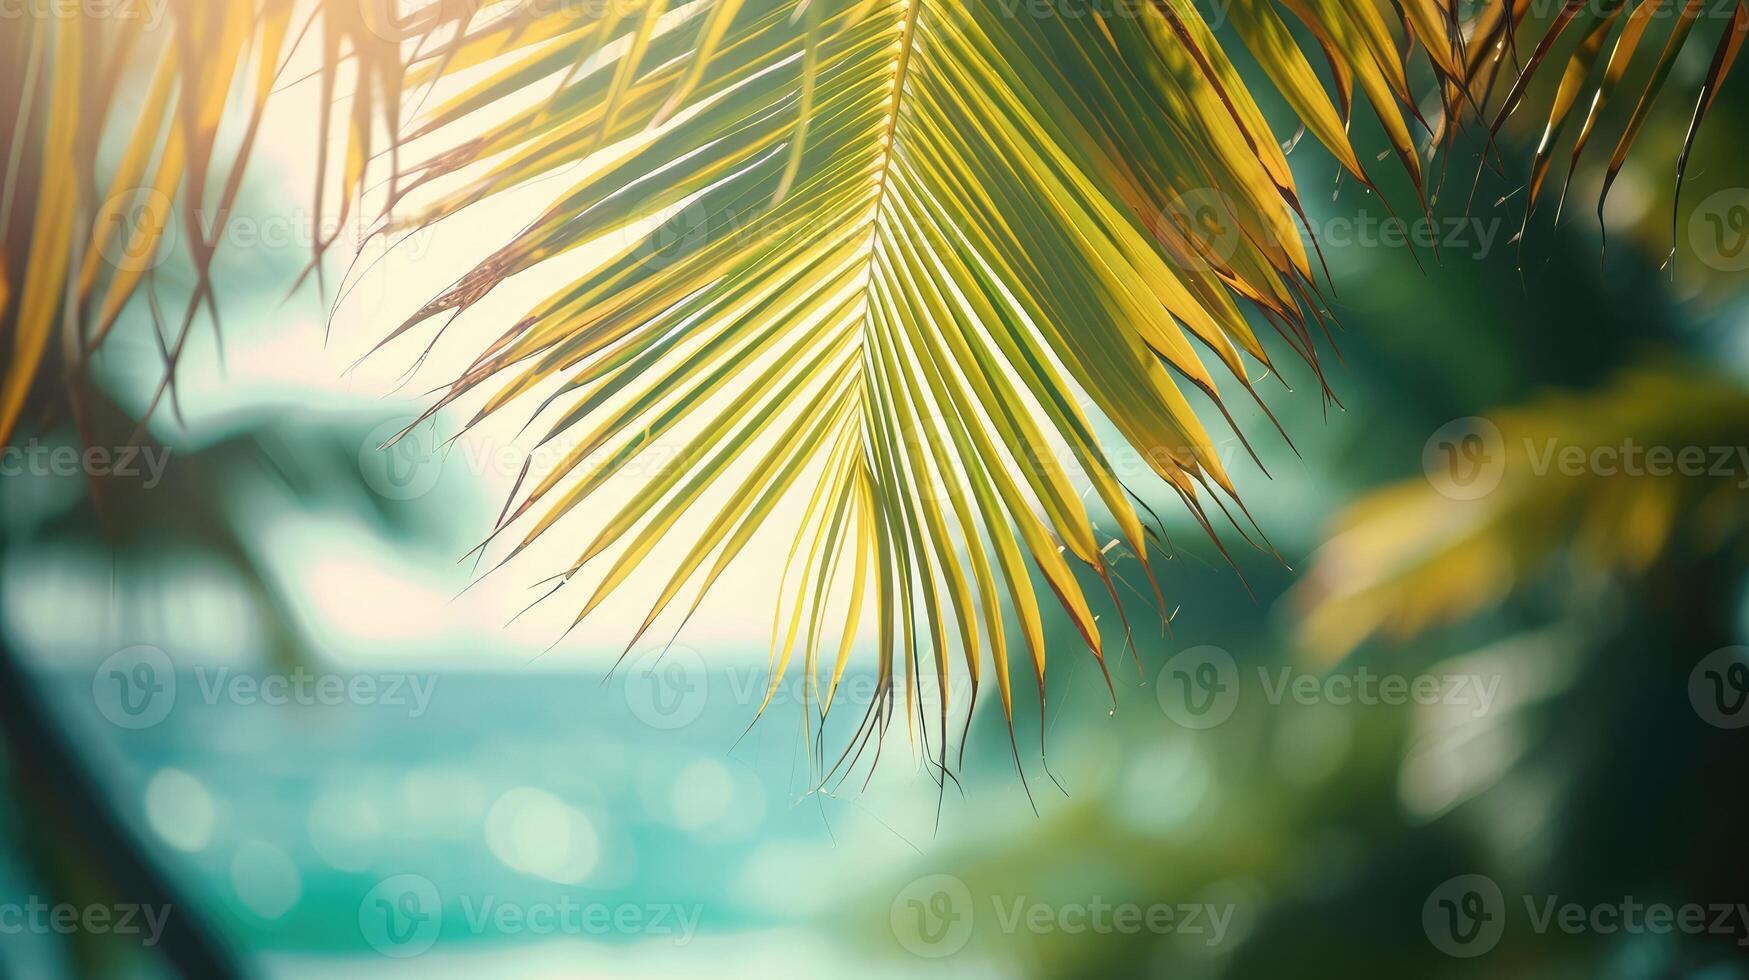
340	747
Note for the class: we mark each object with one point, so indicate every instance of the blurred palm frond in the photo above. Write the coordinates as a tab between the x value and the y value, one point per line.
118	148
1514	47
1594	484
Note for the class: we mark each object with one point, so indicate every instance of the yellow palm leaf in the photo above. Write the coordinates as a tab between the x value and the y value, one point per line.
1606	480
910	236
931	246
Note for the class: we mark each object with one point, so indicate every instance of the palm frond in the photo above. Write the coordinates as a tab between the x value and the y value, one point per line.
1596	484
910	259
82	236
894	244
1514	45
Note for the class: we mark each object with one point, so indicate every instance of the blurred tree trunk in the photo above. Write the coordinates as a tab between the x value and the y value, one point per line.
56	791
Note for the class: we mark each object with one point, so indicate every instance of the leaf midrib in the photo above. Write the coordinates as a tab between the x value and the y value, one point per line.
906	43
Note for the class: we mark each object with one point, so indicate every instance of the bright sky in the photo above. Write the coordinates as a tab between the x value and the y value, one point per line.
354	583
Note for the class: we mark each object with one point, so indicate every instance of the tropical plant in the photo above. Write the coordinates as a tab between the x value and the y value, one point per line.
889	250
1596	485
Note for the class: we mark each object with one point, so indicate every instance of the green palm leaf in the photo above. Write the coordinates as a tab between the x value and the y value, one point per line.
1509	44
904	236
907	259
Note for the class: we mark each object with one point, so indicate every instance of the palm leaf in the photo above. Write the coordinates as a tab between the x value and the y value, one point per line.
1574	493
1635	72
81	240
912	259
907	238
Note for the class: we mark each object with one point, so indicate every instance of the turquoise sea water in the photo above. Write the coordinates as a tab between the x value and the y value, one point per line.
544	820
